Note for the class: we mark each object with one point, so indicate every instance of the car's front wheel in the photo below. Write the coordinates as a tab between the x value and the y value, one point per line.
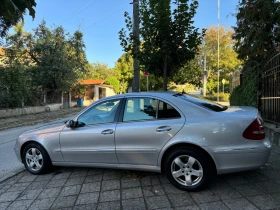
35	159
188	169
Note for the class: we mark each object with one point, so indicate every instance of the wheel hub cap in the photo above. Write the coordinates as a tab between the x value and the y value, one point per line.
34	159
186	170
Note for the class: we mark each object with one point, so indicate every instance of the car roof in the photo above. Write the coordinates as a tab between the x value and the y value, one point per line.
151	93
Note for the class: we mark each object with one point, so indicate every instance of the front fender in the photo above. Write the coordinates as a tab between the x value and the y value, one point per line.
49	141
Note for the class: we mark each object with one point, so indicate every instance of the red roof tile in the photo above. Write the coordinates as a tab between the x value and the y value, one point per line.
91	82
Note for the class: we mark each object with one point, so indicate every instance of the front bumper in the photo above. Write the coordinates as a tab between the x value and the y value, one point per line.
247	156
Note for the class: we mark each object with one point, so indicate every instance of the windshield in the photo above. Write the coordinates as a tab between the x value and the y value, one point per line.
202	102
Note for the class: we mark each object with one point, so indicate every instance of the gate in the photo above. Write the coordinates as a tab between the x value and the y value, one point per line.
270	90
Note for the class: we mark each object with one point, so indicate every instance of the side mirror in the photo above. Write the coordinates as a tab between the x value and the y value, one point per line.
72	124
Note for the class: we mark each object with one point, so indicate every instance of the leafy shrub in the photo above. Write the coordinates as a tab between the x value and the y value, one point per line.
245	95
235	97
222	97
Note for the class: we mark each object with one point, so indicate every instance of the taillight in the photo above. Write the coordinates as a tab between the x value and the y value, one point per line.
255	130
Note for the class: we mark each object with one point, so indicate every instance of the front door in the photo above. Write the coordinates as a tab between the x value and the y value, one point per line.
147	125
92	141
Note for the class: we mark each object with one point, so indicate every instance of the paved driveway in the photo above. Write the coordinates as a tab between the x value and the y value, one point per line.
83	188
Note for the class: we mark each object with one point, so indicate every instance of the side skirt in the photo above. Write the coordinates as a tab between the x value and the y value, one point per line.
116	166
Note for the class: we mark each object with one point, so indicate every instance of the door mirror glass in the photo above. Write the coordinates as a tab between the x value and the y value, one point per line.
72	124
80	124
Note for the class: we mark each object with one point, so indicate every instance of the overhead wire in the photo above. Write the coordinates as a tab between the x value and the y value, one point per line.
106	17
87	4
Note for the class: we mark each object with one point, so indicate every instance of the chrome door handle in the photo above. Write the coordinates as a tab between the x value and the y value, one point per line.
163	128
108	131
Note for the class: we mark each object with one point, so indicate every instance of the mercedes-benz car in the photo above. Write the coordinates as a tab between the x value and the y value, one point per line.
187	138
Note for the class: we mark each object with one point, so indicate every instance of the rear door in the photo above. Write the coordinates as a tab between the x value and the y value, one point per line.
147	124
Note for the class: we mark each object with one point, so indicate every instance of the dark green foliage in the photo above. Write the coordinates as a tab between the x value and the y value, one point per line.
59	58
189	73
235	96
46	61
168	37
257	33
12	11
14	88
257	37
245	95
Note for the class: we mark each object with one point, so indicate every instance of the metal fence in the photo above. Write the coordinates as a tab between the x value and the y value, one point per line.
269	103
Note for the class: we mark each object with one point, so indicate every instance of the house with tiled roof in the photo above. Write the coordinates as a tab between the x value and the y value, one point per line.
94	90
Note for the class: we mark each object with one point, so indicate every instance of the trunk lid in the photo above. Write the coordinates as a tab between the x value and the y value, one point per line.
242	111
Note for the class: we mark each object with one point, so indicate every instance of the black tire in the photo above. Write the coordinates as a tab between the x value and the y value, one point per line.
208	171
46	164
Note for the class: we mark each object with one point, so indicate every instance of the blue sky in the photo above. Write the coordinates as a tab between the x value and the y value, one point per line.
101	20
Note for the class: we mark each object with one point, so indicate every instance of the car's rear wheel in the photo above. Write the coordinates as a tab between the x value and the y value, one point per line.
188	169
35	159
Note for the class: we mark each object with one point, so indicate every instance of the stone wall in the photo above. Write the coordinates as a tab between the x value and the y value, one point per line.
30	110
273	133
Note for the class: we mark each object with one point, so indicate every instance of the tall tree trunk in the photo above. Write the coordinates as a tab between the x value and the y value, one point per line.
165	73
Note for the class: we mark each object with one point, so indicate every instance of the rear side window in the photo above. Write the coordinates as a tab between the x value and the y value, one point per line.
148	109
202	102
165	111
140	109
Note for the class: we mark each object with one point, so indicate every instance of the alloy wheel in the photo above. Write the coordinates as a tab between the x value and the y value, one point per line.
34	159
186	170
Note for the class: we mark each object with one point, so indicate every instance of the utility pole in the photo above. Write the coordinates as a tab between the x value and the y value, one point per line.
136	65
218	85
204	71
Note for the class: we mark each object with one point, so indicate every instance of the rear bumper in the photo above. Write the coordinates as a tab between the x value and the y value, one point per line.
235	158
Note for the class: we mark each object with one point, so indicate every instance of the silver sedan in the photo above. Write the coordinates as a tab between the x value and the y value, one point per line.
189	139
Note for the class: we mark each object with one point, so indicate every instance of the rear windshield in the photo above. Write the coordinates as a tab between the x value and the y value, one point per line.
202	102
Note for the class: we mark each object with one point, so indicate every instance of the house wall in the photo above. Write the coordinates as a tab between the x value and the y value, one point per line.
108	92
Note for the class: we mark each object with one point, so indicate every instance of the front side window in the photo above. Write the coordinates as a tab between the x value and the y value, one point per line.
140	109
104	112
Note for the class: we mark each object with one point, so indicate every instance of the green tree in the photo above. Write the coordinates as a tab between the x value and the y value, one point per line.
190	73
229	61
168	37
55	59
228	57
113	81
59	57
124	67
12	11
100	71
257	31
257	37
155	82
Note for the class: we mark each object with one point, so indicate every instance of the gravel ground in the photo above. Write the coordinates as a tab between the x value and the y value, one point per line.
33	119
